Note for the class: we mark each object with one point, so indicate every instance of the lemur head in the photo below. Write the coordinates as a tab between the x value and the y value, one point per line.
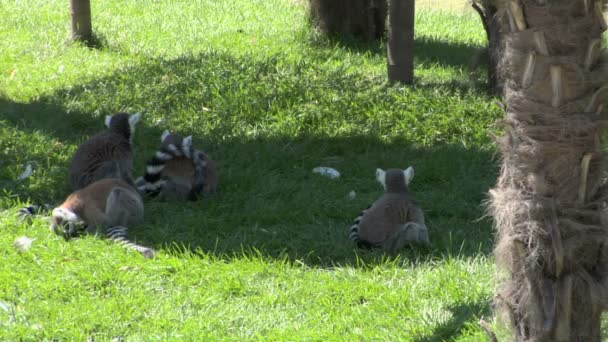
123	123
65	223
176	144
395	180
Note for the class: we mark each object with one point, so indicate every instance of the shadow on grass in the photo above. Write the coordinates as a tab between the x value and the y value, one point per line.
59	127
427	50
51	118
347	43
269	203
461	315
431	50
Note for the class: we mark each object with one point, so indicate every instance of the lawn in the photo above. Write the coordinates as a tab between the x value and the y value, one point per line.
269	98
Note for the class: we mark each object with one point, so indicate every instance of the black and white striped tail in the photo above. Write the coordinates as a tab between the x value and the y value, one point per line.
118	235
354	231
151	183
33	210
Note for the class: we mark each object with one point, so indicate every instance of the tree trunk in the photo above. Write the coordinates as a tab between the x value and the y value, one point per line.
487	13
401	41
550	200
358	18
81	21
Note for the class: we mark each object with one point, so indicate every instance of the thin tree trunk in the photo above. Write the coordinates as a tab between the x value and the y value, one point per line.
487	13
401	41
81	21
549	203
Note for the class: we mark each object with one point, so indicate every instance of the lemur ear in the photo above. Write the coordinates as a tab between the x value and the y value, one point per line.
164	135
187	146
408	174
187	142
133	120
107	121
381	177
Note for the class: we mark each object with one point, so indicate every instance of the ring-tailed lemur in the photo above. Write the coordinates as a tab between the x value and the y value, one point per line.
33	210
108	154
178	170
107	206
394	219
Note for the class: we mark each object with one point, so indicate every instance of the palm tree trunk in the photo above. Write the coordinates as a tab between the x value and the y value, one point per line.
81	21
550	200
401	41
357	18
487	13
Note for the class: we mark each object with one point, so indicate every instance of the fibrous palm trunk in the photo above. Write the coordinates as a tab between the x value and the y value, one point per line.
359	18
549	203
81	21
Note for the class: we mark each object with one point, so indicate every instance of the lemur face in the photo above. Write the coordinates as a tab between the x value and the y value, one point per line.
65	223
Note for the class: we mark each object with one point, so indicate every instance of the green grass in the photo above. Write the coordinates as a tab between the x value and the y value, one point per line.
267	258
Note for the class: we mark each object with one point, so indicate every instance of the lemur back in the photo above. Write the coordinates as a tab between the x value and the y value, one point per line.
178	170
394	219
107	206
108	154
178	175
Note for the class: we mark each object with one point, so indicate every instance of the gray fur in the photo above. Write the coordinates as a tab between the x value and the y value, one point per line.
108	154
105	207
395	219
178	171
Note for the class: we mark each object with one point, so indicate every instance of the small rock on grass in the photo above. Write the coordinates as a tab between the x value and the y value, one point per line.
326	171
23	243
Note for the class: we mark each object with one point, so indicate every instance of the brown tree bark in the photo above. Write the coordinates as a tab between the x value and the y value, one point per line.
358	18
81	21
487	13
400	49
551	197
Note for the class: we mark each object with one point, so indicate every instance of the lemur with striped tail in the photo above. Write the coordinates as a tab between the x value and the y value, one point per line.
108	207
104	196
394	219
178	171
108	154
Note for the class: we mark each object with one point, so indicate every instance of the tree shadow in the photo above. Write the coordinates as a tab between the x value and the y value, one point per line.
270	203
461	315
50	118
445	53
427	50
279	207
324	42
60	128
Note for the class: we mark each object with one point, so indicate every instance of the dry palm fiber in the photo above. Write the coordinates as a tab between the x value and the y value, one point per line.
359	18
550	201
